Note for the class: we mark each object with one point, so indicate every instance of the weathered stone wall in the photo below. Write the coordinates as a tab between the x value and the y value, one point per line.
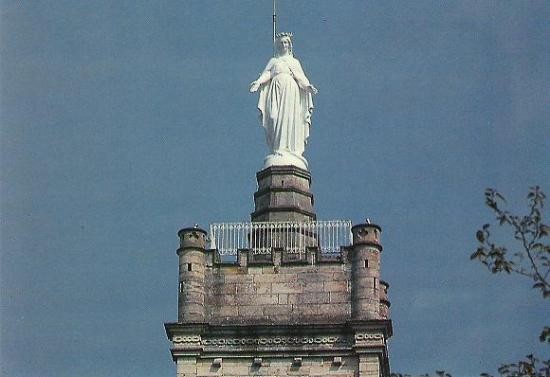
272	366
318	293
282	287
283	313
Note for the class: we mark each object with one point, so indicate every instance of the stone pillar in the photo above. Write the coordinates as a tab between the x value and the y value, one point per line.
192	267
369	365
186	367
283	195
365	256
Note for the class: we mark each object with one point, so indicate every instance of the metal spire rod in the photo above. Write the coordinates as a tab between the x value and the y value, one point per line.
274	25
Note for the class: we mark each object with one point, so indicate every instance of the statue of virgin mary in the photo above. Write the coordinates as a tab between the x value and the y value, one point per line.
285	106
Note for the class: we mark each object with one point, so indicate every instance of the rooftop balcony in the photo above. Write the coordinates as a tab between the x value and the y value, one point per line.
291	236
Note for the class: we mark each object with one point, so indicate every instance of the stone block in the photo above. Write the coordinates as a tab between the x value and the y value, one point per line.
287	287
309	298
267	299
193	257
227	288
228	311
339	297
268	269
254	270
298	269
312	287
369	365
321	312
248	288
192	297
316	276
206	369
293	258
341	274
186	367
219	300
277	311
215	276
228	270
365	294
191	313
252	288
251	311
336	286
264	288
239	278
192	286
276	278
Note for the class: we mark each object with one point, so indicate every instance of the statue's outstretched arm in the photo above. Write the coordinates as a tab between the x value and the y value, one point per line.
264	77
301	78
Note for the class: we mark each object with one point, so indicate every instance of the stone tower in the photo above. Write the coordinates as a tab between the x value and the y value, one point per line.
291	301
283	294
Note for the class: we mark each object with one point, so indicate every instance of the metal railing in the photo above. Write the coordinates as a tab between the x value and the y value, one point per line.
293	237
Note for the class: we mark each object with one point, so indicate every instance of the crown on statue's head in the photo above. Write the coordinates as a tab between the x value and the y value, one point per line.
283	34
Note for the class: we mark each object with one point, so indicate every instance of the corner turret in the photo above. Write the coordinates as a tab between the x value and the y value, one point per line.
192	266
365	256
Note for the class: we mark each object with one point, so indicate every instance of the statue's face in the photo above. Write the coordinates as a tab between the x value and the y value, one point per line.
284	45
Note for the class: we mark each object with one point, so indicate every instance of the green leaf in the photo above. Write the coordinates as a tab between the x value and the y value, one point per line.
480	236
545	335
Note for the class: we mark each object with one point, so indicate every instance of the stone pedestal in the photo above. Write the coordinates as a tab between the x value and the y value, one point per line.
283	195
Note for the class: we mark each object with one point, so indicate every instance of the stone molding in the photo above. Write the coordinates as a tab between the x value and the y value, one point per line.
276	341
269	209
283	170
186	339
276	338
268	190
366	339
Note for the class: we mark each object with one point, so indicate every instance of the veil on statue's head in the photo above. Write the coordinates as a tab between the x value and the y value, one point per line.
278	38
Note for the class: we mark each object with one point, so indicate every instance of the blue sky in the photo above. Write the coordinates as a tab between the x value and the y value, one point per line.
122	122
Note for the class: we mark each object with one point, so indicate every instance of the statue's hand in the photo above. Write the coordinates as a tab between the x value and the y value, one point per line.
254	86
312	89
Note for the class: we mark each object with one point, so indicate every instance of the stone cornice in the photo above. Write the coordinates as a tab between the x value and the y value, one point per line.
284	170
282	209
384	325
267	190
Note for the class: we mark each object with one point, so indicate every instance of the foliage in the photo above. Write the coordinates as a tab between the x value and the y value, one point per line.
530	367
531	256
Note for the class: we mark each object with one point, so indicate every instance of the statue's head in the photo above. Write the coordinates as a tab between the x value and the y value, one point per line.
283	43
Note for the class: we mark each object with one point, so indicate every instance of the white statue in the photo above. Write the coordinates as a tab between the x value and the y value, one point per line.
285	105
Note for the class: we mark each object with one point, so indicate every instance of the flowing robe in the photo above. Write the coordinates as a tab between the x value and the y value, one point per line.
285	111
